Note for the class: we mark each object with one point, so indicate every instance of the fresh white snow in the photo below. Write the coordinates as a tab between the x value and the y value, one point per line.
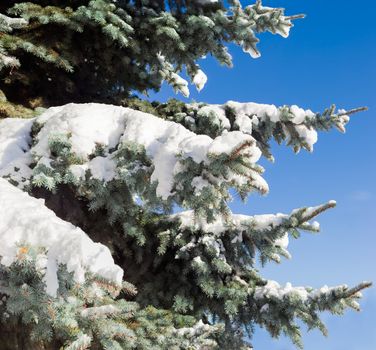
14	146
87	124
262	111
249	114
179	83
273	289
238	221
26	221
217	110
230	141
200	80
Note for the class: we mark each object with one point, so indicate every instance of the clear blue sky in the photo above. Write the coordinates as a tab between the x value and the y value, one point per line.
330	57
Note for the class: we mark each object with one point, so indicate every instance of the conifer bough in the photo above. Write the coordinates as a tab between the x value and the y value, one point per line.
100	50
101	260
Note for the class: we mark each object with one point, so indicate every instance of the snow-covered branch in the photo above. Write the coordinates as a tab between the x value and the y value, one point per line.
25	221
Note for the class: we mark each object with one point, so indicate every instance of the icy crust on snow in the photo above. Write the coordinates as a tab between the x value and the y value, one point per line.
25	221
88	126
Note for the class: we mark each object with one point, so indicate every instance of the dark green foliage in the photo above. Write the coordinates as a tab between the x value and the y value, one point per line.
100	50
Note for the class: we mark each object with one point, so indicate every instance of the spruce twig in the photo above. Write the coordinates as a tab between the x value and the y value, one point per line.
357	289
319	210
353	111
298	16
236	152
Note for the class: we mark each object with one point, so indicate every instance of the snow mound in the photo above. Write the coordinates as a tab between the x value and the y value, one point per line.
25	220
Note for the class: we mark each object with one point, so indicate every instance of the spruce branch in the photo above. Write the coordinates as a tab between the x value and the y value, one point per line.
298	16
353	111
318	210
237	151
353	291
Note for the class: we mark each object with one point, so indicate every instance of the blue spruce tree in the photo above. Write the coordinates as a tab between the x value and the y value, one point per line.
94	253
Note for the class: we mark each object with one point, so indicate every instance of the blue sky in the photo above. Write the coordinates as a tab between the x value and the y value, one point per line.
330	57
